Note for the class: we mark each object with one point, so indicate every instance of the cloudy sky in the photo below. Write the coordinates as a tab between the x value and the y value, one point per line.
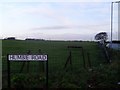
70	20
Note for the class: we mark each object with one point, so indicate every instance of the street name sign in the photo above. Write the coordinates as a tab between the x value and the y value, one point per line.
27	57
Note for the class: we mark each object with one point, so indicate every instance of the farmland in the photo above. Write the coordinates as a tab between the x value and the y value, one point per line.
100	75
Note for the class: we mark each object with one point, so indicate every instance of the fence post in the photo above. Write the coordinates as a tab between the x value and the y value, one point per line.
23	64
41	65
71	59
29	52
89	60
28	67
84	64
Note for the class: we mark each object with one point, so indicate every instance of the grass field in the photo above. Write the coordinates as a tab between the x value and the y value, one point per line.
102	75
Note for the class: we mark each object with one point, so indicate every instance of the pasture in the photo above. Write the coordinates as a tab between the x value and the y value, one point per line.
100	75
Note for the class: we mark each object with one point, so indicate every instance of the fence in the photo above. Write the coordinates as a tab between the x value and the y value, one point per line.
83	58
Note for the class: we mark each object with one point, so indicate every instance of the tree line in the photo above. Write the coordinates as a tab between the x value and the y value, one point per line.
13	38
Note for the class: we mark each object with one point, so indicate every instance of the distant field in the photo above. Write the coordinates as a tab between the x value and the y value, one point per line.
58	52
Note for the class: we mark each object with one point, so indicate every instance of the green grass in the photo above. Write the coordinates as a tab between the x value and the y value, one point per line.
58	52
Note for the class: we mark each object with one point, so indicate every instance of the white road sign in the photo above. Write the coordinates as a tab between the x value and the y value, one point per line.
27	57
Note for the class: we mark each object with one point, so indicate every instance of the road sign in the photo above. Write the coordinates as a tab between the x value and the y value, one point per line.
27	57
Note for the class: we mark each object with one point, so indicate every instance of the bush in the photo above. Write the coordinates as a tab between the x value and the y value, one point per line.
28	81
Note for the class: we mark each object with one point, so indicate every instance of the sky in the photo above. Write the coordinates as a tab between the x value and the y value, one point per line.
70	20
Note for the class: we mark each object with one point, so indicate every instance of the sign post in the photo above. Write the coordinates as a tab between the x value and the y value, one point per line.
8	67
47	74
25	58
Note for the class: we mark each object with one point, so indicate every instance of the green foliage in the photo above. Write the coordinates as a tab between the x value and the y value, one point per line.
28	81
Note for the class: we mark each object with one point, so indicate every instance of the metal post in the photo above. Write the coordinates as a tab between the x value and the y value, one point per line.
8	67
47	74
111	21
118	23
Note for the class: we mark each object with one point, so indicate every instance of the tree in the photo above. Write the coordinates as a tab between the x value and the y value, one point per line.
10	38
102	36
